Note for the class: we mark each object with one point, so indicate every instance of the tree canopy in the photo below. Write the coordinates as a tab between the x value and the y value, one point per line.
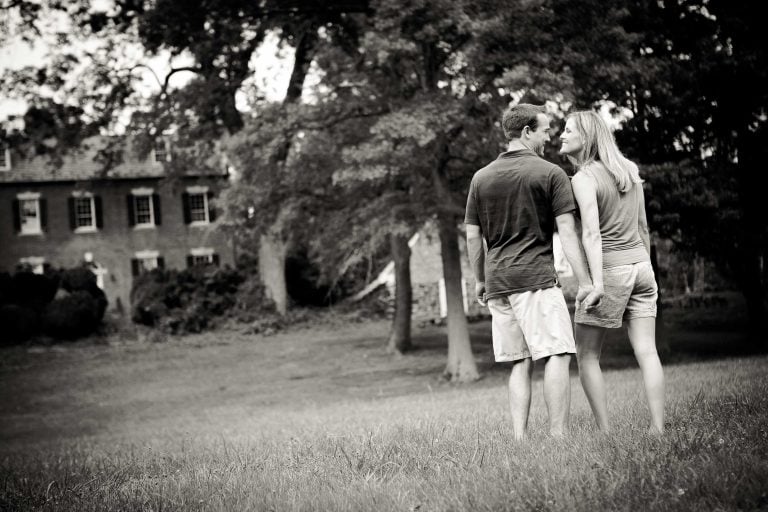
407	100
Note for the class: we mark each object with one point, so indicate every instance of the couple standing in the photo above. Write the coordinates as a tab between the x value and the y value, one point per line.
513	206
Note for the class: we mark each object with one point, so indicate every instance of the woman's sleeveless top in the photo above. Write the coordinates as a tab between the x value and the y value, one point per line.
618	213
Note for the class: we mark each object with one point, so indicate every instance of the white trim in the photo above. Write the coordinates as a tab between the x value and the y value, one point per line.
201	251
36	262
146	254
79	194
142	191
205	254
198	189
28	196
148	260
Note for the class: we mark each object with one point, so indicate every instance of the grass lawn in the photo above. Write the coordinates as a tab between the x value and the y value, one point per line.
321	419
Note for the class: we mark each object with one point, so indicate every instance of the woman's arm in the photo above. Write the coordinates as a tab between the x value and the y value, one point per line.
586	197
642	221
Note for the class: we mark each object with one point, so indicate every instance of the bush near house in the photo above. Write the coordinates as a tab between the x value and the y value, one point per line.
190	300
64	304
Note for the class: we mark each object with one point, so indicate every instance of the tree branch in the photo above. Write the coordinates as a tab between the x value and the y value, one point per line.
164	84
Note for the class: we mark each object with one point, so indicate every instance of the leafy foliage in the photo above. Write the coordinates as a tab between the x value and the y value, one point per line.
63	304
189	300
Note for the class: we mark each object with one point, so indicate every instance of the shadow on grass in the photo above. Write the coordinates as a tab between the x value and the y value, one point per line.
685	336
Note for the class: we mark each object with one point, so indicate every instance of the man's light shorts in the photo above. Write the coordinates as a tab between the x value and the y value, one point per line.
630	292
533	324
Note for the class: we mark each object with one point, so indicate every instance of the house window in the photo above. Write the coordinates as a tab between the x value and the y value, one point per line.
146	261
197	206
84	212
202	256
160	152
143	205
5	157
29	214
36	264
143	208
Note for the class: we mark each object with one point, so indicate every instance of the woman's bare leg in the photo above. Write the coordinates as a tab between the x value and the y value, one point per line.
589	344
642	335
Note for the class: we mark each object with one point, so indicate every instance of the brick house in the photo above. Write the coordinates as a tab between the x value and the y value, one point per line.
120	222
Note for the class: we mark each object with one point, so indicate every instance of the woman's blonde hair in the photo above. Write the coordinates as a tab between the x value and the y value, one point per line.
599	145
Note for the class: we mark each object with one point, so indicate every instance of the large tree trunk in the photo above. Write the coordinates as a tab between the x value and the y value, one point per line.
272	253
461	365
400	336
273	244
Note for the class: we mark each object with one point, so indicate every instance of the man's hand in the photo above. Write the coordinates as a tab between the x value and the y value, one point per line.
590	295
480	293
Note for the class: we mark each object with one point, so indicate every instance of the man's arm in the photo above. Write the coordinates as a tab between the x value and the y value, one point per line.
586	196
476	252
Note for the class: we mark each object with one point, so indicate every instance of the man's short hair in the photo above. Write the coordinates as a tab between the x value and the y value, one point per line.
519	116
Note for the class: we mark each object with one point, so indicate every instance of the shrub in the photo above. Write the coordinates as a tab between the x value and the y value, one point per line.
190	300
19	323
33	291
72	316
63	304
79	279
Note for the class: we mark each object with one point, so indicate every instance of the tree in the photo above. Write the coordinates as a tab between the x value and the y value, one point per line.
693	77
219	37
411	61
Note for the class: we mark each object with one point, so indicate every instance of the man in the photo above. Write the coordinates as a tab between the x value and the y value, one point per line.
512	207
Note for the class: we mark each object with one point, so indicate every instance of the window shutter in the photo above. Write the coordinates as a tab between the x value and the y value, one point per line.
211	210
185	207
98	212
134	267
43	214
216	259
160	262
131	213
156	209
71	207
16	215
190	261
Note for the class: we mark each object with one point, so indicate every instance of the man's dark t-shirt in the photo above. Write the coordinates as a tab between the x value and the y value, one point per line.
515	200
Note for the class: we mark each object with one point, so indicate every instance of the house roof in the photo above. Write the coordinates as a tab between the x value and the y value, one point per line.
86	163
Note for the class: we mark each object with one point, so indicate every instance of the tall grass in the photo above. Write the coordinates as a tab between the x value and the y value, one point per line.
448	450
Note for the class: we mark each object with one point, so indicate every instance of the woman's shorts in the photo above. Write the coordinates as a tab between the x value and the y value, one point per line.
630	292
533	324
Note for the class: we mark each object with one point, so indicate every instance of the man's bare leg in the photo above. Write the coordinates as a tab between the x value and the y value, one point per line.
557	392
642	336
589	344
520	395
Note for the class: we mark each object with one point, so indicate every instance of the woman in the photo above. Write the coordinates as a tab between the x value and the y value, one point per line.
609	194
